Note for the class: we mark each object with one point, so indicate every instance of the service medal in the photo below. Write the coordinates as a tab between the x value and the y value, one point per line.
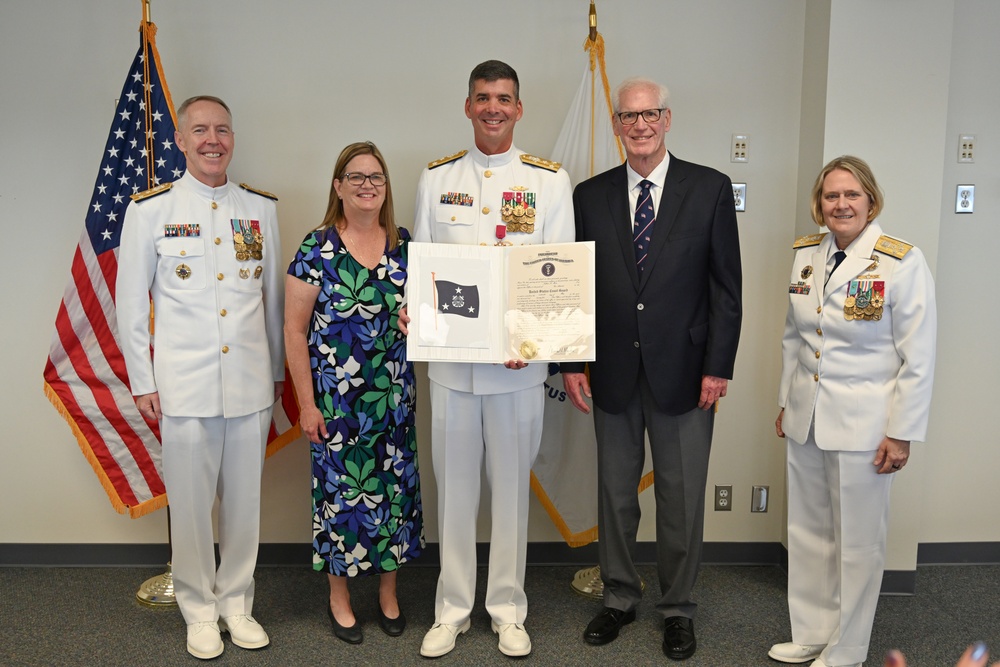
258	272
806	272
183	271
244	273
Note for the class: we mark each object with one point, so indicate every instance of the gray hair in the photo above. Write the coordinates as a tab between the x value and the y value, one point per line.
639	82
182	109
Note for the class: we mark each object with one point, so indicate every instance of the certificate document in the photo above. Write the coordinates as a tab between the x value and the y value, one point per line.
495	303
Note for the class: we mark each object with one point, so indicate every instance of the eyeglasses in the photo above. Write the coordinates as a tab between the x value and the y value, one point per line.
632	117
358	179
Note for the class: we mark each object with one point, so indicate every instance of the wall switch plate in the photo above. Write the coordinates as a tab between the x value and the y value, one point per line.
759	498
966	148
965	198
740	196
740	151
723	498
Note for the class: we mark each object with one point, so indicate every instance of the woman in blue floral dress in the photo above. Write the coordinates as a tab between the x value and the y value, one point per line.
345	351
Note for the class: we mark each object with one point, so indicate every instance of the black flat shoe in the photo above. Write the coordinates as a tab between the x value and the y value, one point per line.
351	635
605	626
678	638
391	626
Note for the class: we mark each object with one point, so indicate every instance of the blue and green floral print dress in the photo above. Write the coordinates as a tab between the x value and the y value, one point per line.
367	516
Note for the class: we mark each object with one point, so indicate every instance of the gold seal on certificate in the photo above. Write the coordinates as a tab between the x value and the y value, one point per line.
528	349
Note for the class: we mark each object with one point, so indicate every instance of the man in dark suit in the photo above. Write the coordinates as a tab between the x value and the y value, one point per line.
668	324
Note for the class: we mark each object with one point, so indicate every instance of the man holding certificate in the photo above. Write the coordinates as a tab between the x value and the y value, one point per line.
668	322
492	193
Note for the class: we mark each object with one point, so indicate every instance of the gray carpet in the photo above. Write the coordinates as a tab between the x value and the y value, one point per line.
89	616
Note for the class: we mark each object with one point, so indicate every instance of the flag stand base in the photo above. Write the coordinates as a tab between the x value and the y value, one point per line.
587	583
158	591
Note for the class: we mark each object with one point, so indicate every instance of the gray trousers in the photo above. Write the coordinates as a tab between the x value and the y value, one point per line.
680	447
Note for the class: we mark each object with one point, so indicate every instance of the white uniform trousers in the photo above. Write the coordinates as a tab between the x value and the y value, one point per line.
205	458
838	513
505	430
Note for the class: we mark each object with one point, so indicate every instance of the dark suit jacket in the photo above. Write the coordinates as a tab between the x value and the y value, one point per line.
682	319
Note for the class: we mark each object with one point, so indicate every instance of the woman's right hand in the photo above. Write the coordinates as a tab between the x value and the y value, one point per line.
404	321
312	423
974	656
777	424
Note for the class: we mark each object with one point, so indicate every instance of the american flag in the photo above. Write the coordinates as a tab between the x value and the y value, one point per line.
85	376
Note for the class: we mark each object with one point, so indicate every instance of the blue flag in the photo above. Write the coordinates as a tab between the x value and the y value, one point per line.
456	299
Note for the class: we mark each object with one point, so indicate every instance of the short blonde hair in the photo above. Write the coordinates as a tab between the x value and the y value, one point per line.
861	171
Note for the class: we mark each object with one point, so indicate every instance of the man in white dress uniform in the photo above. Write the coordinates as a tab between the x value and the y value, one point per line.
207	251
491	193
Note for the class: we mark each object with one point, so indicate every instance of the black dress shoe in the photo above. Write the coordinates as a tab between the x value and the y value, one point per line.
678	638
605	626
351	635
391	626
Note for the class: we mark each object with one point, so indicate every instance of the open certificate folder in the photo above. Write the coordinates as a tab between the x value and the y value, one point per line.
495	303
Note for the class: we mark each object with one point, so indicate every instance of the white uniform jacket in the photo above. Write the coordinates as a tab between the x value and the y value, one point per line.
459	201
218	344
858	380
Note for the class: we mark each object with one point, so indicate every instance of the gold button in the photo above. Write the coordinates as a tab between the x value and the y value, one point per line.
223	313
219	276
214	205
488	173
183	252
453	218
817	351
816	377
820	309
217	240
486	210
225	349
819	331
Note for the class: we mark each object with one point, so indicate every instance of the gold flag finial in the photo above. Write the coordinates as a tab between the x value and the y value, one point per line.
145	11
593	21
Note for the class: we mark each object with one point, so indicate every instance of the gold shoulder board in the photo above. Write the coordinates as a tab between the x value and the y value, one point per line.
262	193
892	247
806	241
446	160
152	192
540	162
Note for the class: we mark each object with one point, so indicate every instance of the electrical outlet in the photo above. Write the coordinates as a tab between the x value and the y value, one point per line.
758	501
965	199
740	196
966	148
740	149
723	498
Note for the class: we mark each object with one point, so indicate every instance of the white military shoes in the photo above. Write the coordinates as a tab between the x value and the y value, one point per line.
795	653
204	640
514	640
244	631
440	639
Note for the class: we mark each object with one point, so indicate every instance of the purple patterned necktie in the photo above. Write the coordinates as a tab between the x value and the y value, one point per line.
642	229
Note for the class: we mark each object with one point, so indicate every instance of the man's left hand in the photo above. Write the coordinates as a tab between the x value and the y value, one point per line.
891	456
712	389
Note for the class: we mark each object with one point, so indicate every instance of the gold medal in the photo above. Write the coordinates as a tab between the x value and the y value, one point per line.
244	273
849	302
183	271
258	272
257	254
242	255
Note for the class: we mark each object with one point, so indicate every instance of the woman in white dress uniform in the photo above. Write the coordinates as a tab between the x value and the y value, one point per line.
857	370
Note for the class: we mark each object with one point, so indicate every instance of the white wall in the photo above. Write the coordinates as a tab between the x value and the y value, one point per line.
304	78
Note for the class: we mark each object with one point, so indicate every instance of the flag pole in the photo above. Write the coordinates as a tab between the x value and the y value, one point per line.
587	582
157	591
